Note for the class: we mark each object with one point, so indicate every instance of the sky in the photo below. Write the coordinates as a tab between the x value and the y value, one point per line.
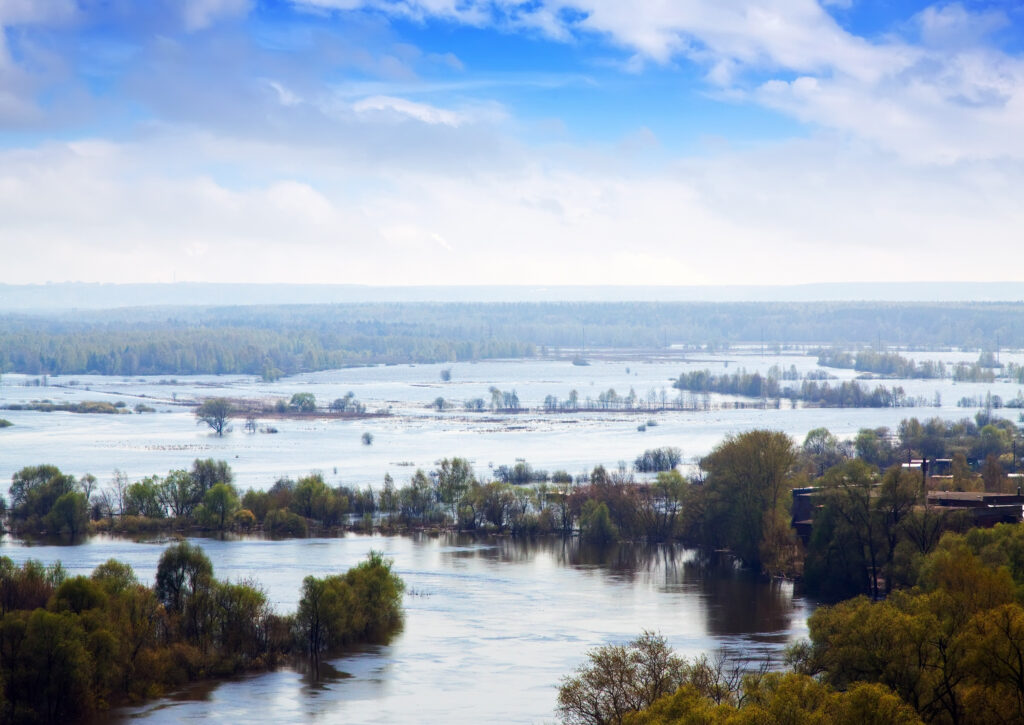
535	142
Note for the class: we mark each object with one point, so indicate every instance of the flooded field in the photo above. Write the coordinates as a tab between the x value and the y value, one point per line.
416	435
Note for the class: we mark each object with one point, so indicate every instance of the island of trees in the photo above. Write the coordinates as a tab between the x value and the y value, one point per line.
71	647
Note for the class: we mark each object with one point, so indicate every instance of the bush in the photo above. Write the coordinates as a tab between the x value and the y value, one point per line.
285	524
658	459
244	519
618	679
596	525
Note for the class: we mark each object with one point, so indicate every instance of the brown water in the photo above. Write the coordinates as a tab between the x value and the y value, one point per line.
491	625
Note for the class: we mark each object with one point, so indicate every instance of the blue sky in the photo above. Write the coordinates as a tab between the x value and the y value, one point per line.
541	142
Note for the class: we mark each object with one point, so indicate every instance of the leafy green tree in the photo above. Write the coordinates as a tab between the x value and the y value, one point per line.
454	477
35	489
258	502
207	472
143	498
285	523
115	577
179	493
821	450
873	446
220	504
596	525
215	412
363	604
182	572
315	500
69	515
416	501
303	402
749	478
51	672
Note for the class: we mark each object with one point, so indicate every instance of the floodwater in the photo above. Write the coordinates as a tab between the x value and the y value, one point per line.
417	436
491	625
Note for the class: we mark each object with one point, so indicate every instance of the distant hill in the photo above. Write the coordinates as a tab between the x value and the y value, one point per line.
78	295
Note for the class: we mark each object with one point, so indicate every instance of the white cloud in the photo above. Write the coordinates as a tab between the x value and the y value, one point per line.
284	95
401	107
953	26
200	14
943	99
822	209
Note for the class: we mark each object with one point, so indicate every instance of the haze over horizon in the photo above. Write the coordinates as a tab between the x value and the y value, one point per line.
544	143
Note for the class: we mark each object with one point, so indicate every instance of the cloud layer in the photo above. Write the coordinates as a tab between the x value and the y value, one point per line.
357	141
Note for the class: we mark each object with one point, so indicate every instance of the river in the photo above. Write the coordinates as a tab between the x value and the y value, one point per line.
491	625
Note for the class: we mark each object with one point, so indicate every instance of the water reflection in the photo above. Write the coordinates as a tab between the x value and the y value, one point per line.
492	624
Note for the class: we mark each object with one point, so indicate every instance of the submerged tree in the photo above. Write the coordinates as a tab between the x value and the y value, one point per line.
215	412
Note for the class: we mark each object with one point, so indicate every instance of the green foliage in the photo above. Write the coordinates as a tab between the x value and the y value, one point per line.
303	402
244	519
749	479
454	478
115	577
883	363
780	699
220	504
951	647
207	472
596	526
69	515
859	526
618	679
314	499
285	523
362	605
658	459
143	498
34	492
69	648
85	406
183	572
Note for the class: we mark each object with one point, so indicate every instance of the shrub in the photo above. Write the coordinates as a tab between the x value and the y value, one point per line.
285	523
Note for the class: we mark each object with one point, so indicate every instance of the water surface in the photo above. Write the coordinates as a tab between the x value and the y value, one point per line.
491	625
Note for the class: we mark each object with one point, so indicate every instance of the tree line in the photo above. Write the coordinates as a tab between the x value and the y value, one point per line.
868	522
847	394
276	340
71	647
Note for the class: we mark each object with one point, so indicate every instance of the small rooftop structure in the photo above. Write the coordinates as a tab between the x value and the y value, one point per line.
986	508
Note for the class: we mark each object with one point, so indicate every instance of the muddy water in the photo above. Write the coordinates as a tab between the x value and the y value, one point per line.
491	624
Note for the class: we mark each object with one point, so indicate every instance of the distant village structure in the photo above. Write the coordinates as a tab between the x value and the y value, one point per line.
986	508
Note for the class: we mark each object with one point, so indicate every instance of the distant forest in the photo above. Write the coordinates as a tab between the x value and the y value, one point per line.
283	340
